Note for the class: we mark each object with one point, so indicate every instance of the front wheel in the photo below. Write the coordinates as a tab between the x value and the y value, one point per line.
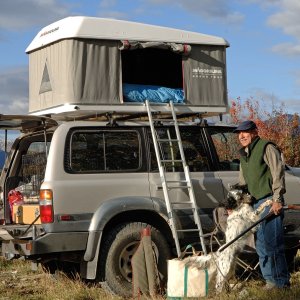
118	247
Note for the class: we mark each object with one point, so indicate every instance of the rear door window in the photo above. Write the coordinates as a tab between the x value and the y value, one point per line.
29	168
34	163
193	146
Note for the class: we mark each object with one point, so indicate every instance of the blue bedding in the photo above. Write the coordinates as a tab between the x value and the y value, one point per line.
153	93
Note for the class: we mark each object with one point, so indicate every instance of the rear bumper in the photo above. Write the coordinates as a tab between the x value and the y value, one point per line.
44	245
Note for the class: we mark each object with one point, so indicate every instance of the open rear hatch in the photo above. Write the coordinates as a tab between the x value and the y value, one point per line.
25	123
22	174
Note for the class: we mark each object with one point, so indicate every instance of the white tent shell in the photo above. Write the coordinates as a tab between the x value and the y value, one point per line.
112	29
86	62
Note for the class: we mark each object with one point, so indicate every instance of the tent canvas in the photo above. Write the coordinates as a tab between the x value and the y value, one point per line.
93	71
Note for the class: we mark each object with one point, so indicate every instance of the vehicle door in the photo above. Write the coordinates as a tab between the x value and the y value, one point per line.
227	147
207	185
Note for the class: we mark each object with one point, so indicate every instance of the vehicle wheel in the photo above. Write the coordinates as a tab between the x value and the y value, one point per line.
117	249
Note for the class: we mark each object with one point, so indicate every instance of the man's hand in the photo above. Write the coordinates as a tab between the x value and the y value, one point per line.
276	207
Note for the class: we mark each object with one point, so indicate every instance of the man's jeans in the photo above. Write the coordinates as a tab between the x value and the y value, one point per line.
271	250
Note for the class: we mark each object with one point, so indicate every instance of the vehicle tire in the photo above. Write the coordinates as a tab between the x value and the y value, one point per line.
118	247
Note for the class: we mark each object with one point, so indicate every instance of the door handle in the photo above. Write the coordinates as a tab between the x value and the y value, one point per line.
159	187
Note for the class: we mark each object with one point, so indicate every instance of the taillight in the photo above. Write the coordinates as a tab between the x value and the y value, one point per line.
46	206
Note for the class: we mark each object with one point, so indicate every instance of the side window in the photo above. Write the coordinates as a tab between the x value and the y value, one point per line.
122	151
87	152
104	151
227	148
193	148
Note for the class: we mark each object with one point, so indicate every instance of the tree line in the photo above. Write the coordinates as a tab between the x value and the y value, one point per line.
276	125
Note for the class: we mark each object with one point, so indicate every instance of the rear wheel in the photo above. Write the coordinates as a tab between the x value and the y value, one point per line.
118	247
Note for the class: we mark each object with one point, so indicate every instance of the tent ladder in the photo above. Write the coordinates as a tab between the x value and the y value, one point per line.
182	184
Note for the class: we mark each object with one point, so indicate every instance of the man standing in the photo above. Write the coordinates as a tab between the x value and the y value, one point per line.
262	169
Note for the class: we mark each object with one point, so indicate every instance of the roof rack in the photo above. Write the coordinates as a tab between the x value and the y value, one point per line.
130	111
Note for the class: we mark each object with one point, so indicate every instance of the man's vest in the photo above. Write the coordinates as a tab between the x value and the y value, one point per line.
256	172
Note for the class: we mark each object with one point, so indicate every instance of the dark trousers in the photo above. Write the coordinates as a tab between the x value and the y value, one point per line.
271	250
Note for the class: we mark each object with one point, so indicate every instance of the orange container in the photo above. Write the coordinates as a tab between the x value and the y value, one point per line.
26	214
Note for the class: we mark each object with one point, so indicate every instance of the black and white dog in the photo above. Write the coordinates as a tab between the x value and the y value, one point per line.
241	216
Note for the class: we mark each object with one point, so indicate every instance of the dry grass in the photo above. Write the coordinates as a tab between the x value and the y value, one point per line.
253	290
17	281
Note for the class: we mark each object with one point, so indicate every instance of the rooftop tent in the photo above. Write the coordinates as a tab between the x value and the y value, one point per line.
83	60
78	71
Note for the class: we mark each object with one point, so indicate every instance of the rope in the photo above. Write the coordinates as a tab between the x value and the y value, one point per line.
27	229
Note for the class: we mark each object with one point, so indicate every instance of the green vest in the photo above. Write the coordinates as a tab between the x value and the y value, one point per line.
256	172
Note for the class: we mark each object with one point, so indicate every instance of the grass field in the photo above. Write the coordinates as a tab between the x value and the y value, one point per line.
17	281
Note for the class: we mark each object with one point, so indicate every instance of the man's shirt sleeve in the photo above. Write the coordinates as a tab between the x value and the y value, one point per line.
273	159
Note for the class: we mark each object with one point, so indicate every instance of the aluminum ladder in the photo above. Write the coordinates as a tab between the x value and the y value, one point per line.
181	184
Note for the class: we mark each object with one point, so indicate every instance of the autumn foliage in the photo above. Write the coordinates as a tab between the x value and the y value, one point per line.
277	126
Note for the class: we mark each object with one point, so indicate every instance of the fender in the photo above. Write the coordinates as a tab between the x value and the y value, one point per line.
113	207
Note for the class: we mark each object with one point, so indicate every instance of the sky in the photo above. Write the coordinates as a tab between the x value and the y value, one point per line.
263	60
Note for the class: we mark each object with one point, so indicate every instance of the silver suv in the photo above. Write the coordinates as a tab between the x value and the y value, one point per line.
77	194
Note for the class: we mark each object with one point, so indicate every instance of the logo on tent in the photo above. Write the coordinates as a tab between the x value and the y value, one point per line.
207	73
45	84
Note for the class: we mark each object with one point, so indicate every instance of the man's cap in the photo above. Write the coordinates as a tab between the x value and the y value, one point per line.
245	126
